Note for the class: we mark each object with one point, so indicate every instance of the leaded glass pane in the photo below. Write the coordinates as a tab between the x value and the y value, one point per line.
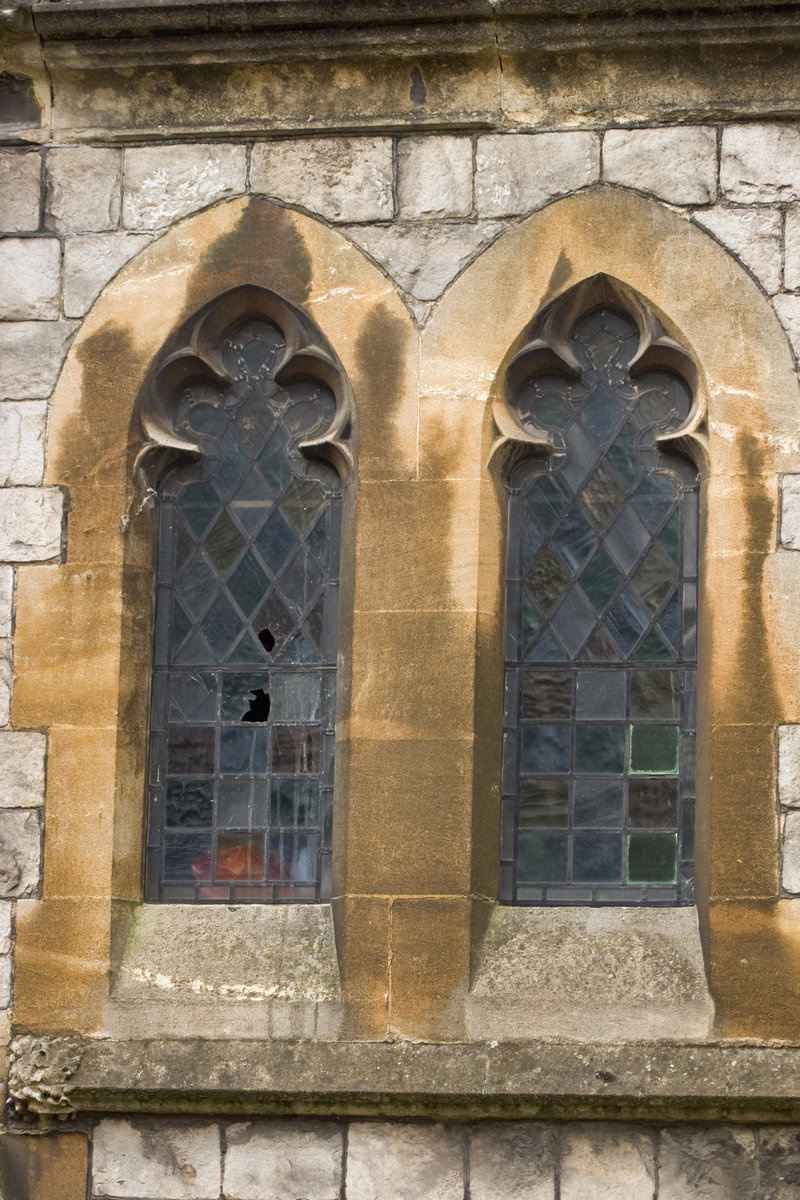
242	737
598	770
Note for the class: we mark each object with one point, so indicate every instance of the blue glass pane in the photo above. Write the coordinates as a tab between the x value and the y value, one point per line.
544	749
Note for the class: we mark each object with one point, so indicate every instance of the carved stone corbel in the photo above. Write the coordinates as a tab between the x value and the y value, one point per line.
40	1069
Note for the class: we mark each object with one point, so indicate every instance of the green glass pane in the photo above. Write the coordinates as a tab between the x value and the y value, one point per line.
531	620
670	536
293	802
601	497
654	749
653	649
317	542
623	457
603	346
302	503
548	498
601	648
224	543
205	418
546	695
180	626
654	577
248	650
653	803
655	694
248	584
198	504
236	690
599	749
550	410
600	579
652	857
542	857
547	579
543	802
272	460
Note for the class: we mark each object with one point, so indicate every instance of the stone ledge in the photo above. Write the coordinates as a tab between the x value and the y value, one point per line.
642	1080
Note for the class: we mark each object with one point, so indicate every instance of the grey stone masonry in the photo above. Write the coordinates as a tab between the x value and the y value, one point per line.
678	165
787	307
424	259
22	769
343	179
753	234
406	1162
717	1164
760	163
512	1161
792	249
20	190
516	173
615	1162
789	800
5	680
83	189
22	429
30	269
31	356
31	521
270	1161
790	859
90	261
156	1160
434	177
6	600
164	183
790	512
20	852
779	1162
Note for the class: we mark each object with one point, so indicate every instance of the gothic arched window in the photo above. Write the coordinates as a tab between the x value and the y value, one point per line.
598	771
244	676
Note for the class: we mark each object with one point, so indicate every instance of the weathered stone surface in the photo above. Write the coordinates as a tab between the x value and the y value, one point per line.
31	522
753	234
434	177
271	1160
163	183
515	173
791	264
5	926
156	1160
406	1162
31	354
22	429
20	190
5	680
83	189
424	259
512	1161
31	272
22	769
679	165
789	765
20	852
344	179
760	163
790	865
5	981
90	261
779	1162
6	600
788	309
611	1161
43	1168
790	512
706	1164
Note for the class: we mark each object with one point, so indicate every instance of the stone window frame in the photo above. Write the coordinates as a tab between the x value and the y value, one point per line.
414	903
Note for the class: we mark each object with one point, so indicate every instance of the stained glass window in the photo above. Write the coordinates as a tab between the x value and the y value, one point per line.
243	694
600	691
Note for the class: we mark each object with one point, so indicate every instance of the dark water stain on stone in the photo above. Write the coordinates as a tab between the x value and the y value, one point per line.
382	360
17	100
418	92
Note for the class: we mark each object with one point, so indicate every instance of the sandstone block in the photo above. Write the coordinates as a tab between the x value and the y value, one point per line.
6	600
22	770
20	190
20	852
271	1160
779	1162
754	236
5	680
792	248
517	172
22	429
434	177
511	1161
344	179
788	309
424	259
163	183
604	1160
706	1163
760	163
90	261
790	512
679	165
43	1168
31	272
31	354
83	189
790	864
406	1162
31	521
156	1160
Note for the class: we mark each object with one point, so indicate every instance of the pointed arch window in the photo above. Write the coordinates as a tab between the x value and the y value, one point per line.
601	646
246	410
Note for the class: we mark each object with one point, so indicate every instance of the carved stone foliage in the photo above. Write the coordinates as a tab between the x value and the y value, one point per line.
39	1074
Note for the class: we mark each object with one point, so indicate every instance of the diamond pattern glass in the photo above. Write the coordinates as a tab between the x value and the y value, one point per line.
598	802
242	743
